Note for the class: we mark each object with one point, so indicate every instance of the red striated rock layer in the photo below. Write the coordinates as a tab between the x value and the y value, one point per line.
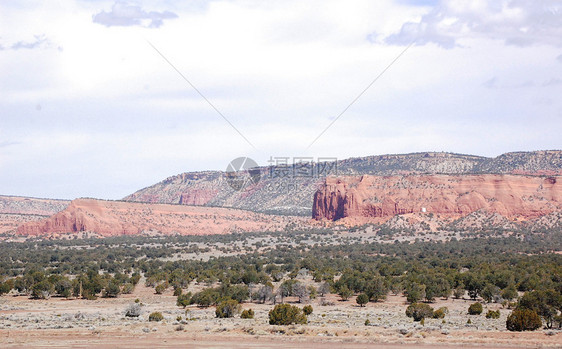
197	197
110	218
512	196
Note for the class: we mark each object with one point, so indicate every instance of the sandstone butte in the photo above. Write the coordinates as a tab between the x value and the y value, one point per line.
516	197
111	218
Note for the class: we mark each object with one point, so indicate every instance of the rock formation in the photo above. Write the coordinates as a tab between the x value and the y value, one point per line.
110	218
294	194
512	196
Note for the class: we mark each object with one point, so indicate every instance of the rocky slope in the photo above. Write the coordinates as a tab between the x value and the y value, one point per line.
293	194
110	218
512	196
15	210
32	206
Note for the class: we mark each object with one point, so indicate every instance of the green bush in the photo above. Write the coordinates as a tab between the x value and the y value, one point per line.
112	290
419	311
155	316
415	292
247	314
183	300
523	320
161	288
345	293
307	309
227	308
493	314
509	293
205	298
362	299
440	313
286	314
128	288
42	290
475	309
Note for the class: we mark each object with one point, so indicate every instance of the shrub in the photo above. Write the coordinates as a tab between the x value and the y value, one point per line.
205	298
128	288
42	290
183	300
544	302
458	292
6	287
490	293
161	288
112	290
247	314
367	322
523	320
133	310
419	311
509	293
307	309
286	314
312	291
415	292
345	293
227	308
362	299
475	309
493	314
155	316
440	313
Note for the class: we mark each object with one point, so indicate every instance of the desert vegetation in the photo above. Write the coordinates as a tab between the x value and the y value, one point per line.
307	278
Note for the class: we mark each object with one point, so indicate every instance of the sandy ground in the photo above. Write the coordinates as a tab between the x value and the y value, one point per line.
66	339
61	323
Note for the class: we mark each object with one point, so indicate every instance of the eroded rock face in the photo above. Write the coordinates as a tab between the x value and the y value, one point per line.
512	196
197	197
111	218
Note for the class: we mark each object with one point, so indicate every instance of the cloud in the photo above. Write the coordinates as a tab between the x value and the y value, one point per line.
124	15
559	58
516	22
8	143
492	83
552	82
40	41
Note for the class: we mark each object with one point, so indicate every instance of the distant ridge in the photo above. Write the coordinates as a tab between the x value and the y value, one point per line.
28	205
294	195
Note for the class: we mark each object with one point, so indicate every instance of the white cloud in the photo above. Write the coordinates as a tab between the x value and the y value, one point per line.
38	42
123	14
516	22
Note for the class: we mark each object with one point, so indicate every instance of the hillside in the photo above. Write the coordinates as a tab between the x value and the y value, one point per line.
33	206
16	210
112	218
294	195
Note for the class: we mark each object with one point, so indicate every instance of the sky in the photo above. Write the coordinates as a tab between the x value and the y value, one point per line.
102	98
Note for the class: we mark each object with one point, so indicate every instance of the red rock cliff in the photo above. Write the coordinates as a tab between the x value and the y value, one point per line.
110	218
377	196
